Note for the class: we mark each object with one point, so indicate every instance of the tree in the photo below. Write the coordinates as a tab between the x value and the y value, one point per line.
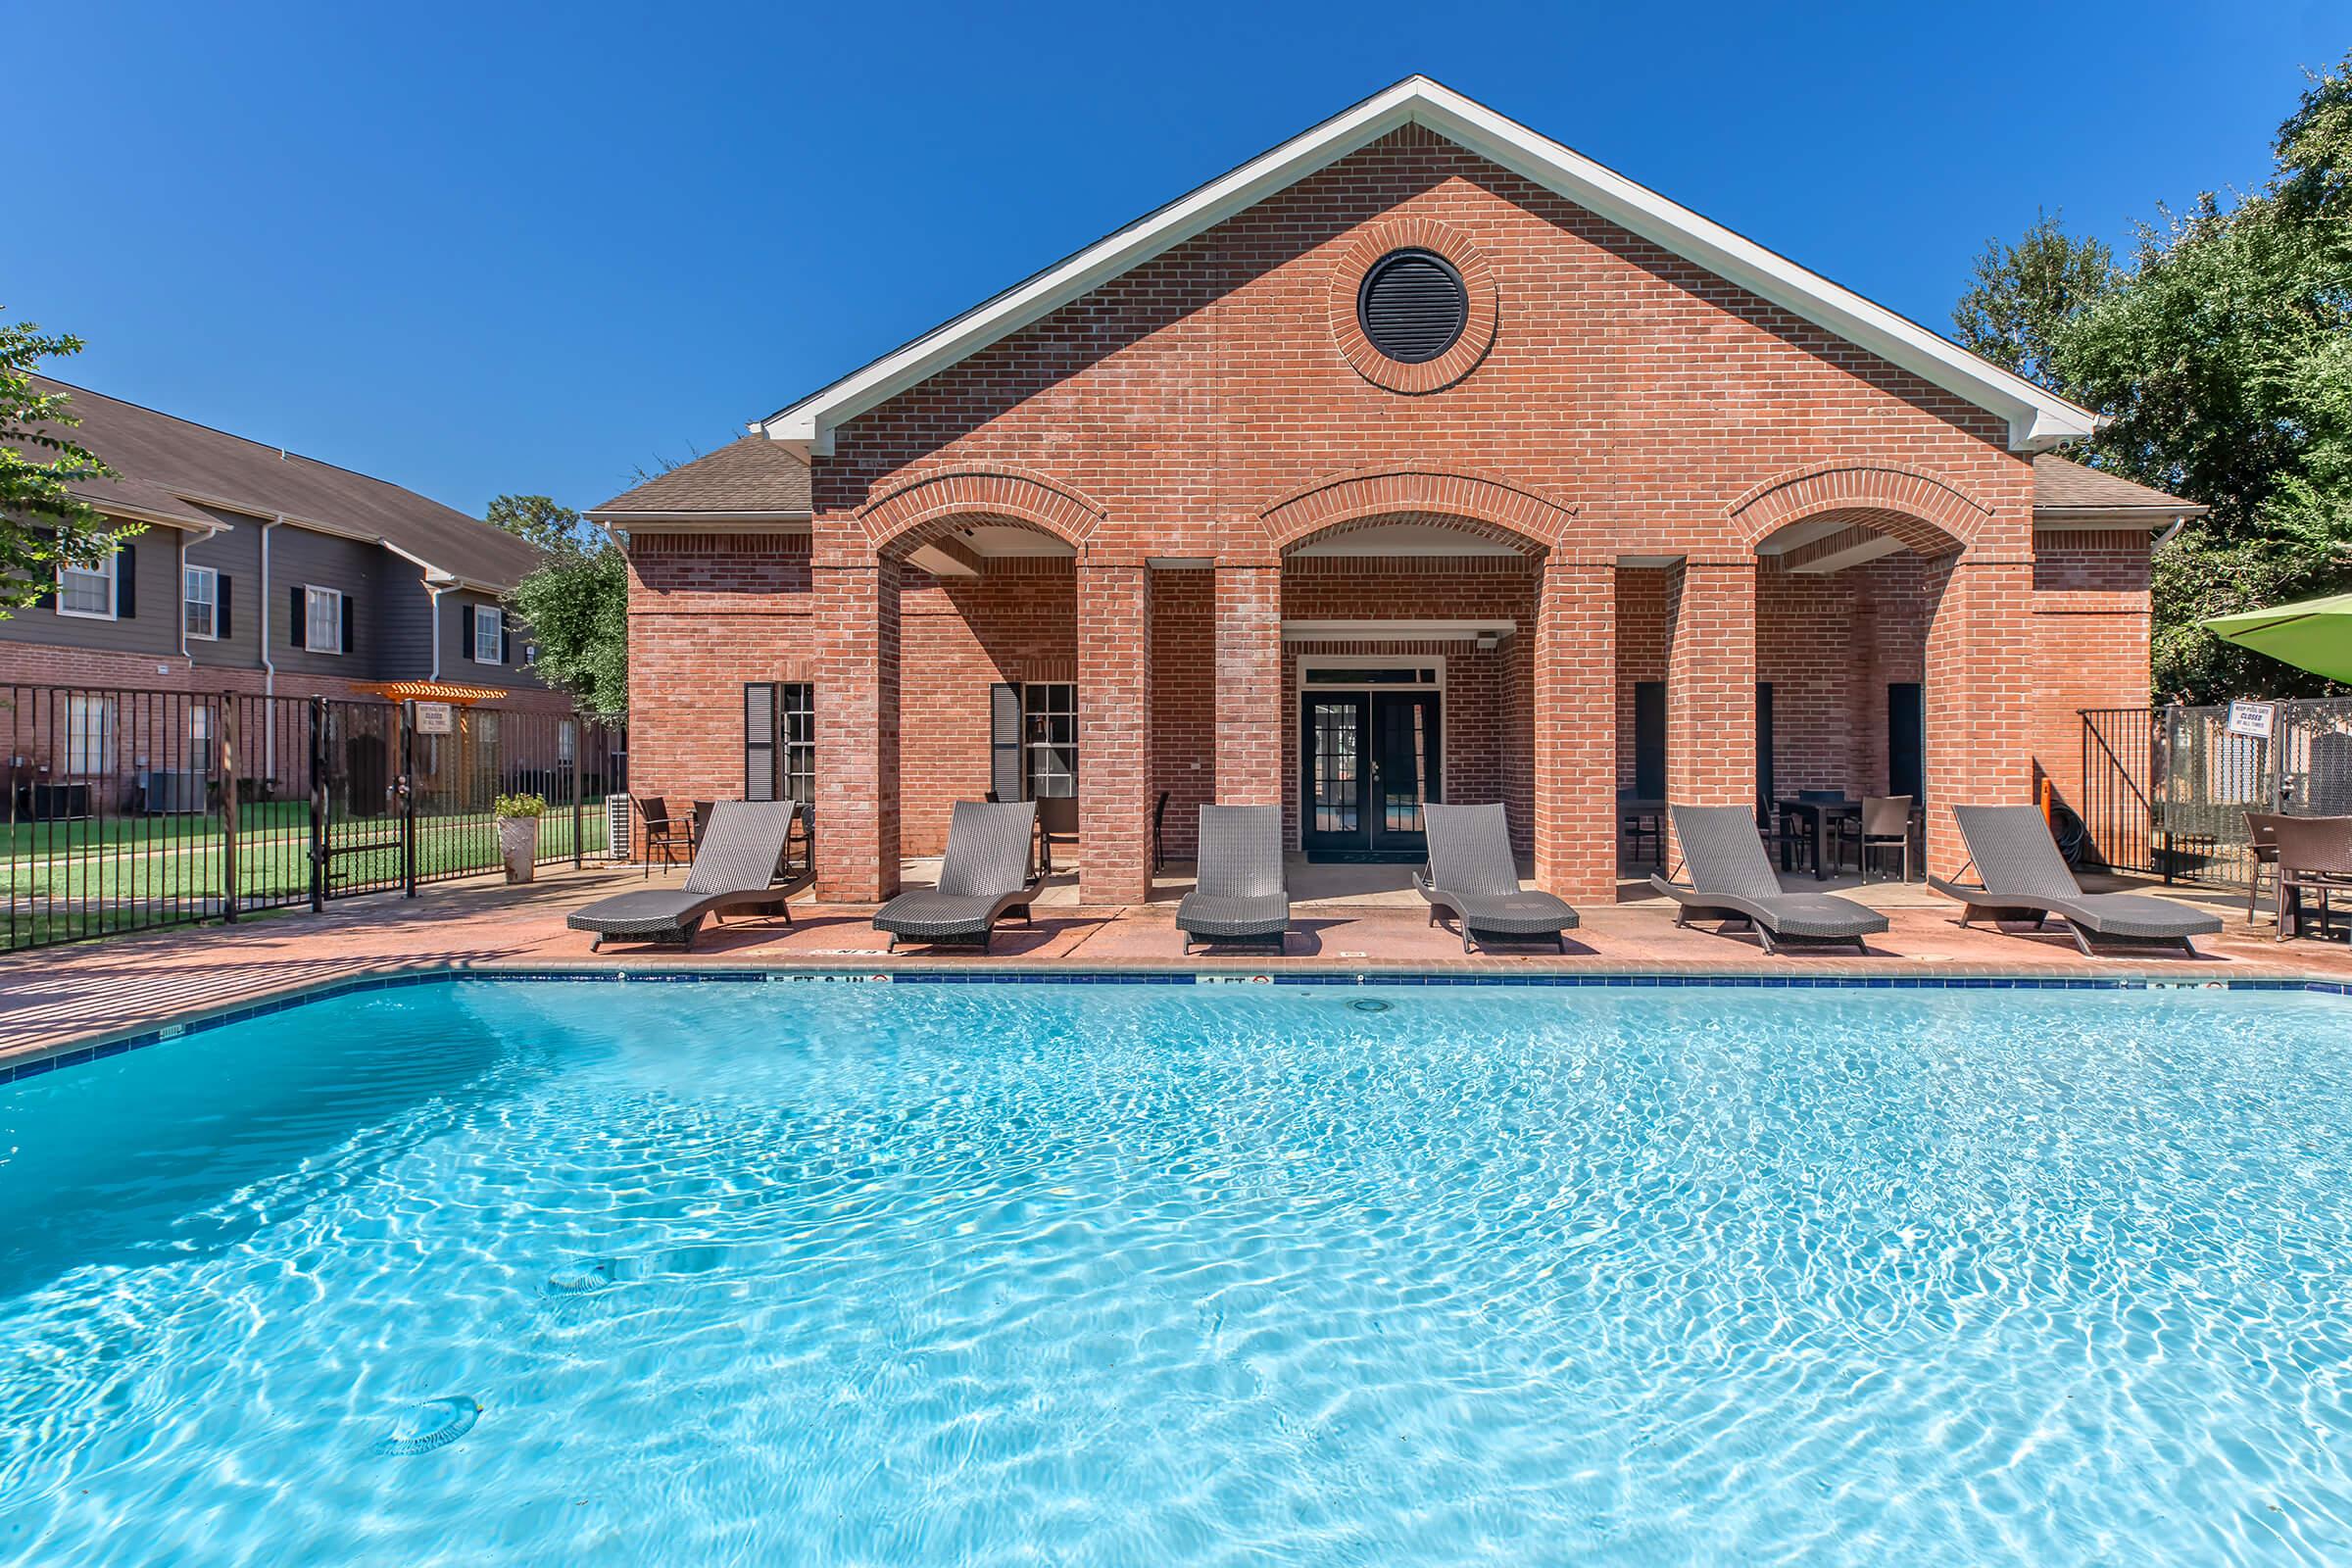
2025	295
578	607
43	524
538	520
2223	357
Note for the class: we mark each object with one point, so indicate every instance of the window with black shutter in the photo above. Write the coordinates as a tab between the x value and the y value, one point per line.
759	780
1412	306
779	742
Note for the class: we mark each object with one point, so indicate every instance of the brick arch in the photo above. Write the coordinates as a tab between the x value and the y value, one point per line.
1928	514
1444	496
921	507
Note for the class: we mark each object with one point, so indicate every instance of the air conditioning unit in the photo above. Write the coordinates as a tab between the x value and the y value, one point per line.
621	827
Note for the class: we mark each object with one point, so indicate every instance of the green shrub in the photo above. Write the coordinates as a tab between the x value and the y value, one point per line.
518	806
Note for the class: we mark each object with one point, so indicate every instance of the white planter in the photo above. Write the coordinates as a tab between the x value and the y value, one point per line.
518	846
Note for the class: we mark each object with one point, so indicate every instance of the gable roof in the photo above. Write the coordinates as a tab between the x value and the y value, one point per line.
2038	419
746	478
167	462
2063	488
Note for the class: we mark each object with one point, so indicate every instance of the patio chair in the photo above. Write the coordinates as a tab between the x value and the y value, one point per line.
735	868
984	876
1883	825
2022	877
2262	847
1473	877
664	836
2315	856
1732	880
1241	896
1056	823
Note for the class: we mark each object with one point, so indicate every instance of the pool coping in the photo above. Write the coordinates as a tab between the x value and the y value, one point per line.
97	1047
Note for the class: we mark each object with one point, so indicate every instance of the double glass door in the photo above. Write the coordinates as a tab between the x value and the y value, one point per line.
1368	763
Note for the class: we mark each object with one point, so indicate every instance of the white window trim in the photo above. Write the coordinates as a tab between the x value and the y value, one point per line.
1030	746
310	620
114	589
491	618
80	709
212	573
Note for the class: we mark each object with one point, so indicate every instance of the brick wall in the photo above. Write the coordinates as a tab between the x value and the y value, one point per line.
1630	405
2090	642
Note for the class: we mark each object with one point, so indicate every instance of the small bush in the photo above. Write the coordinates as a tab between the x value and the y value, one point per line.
518	806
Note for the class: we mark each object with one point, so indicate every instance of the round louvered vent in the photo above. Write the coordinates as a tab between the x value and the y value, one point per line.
1412	306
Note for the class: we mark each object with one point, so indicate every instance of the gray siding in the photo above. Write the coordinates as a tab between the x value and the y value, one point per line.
456	661
299	558
404	614
237	557
152	628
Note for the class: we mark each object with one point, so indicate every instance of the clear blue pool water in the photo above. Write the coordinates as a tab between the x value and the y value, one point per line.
1123	1275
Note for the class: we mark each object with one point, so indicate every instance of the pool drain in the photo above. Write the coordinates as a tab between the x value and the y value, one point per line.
434	1424
584	1277
1368	1004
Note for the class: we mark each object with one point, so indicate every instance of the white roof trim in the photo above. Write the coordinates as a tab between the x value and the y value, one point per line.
2038	419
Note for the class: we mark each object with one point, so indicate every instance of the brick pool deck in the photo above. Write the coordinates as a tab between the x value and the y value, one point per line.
63	997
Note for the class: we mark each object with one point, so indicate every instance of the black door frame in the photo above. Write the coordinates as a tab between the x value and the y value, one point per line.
1370	841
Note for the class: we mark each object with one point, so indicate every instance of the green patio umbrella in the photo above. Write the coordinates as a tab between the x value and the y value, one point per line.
2315	634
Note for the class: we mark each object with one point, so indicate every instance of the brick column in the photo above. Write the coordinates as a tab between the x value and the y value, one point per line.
1573	710
1711	685
1980	741
1248	667
855	598
1114	738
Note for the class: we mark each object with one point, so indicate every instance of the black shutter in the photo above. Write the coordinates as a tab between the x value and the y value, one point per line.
126	584
1004	742
298	621
1650	740
220	604
466	631
759	782
506	641
343	620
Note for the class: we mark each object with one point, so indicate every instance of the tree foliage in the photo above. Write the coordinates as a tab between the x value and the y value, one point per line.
2223	356
43	524
577	604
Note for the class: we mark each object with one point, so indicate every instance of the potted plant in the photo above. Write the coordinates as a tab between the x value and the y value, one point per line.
519	833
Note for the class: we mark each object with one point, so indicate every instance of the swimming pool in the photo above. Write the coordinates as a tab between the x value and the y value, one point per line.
1127	1274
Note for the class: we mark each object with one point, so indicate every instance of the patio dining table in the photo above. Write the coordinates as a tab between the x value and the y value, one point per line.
1825	815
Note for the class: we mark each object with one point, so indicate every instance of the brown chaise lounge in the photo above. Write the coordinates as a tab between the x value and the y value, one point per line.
983	877
1731	879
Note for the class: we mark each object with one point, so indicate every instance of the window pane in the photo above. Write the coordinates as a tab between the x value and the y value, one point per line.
87	592
89	735
488	636
200	591
324	633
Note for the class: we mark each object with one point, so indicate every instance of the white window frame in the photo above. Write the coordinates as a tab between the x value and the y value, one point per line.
81	733
1341	663
312	596
492	619
106	572
1031	746
211	576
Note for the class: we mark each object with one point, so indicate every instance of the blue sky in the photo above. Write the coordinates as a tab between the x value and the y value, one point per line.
488	247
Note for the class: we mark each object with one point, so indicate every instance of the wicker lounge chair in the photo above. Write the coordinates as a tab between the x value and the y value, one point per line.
734	869
1240	897
1731	879
1472	877
983	877
2024	877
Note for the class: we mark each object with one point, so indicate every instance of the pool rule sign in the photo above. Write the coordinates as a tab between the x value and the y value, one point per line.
2253	720
436	719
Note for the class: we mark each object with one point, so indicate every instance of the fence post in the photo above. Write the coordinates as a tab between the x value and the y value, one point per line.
408	799
2164	754
317	707
229	807
579	742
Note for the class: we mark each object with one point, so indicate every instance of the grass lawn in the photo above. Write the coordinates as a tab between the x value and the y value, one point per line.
102	873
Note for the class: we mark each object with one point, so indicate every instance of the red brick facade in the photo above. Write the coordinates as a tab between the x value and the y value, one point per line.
1630	430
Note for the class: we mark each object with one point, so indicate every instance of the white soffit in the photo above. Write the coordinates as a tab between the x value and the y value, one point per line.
1405	539
2037	420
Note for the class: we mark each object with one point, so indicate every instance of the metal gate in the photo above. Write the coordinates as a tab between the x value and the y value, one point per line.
2167	791
132	809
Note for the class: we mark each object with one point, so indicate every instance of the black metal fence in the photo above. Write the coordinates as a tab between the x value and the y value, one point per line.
129	809
2167	791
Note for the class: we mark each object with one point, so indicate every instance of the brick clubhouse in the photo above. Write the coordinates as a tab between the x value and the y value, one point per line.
1418	459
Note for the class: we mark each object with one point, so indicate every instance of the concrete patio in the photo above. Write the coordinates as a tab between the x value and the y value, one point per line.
58	998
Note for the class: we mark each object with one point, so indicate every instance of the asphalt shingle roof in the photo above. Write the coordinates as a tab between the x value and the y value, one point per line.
753	474
165	460
2062	485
